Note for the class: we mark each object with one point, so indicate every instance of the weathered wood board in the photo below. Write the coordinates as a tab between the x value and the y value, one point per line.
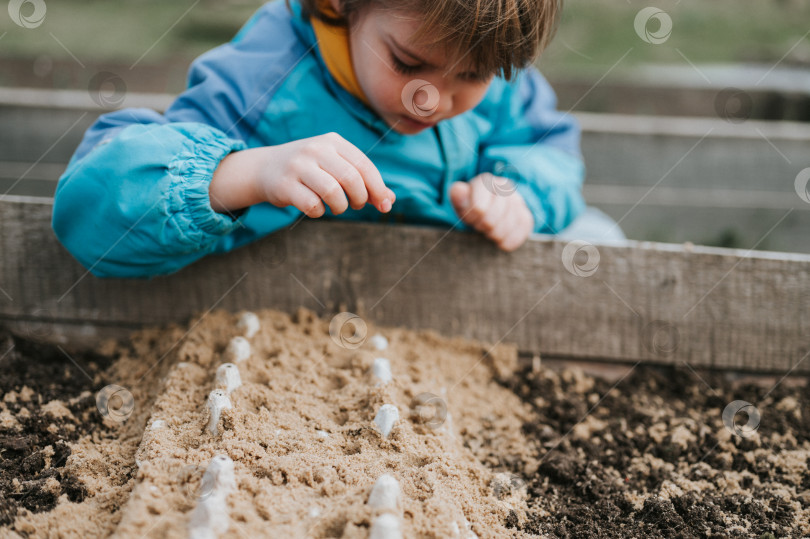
661	303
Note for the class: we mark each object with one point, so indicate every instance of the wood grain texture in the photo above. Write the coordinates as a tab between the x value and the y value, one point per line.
661	303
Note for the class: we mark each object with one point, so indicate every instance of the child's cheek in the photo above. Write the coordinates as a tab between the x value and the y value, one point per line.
387	90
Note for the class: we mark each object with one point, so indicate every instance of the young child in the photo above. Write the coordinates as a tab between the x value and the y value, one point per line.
421	111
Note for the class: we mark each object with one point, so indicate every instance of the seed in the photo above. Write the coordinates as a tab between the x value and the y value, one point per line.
249	324
238	350
385	418
382	370
217	402
385	493
228	377
210	517
386	526
379	342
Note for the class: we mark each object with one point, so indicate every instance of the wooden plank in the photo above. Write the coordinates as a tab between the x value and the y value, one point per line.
644	302
763	228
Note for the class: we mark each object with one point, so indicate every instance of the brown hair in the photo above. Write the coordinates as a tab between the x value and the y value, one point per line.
498	36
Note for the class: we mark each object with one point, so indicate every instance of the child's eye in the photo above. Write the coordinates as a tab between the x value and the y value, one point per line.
402	67
475	77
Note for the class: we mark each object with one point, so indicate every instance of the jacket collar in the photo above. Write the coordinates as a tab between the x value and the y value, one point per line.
336	66
333	43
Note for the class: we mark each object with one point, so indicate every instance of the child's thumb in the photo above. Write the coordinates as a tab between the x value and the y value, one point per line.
460	197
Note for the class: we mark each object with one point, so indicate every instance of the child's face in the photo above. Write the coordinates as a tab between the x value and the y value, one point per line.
411	87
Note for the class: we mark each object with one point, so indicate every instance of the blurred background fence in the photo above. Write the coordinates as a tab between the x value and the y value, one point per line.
695	115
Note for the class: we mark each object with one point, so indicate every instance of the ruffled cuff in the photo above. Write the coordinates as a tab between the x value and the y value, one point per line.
191	215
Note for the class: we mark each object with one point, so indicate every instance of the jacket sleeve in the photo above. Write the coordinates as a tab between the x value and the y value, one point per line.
133	201
538	148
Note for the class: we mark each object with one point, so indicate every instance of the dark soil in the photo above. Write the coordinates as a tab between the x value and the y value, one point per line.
33	451
586	483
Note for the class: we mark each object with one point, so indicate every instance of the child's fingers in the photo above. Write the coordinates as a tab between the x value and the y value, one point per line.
503	224
485	207
303	198
519	230
378	193
514	239
348	176
328	188
478	206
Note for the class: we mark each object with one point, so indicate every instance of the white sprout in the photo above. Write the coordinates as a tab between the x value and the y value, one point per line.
382	370
385	493
249	323
386	526
385	418
217	402
379	342
210	517
228	377
238	350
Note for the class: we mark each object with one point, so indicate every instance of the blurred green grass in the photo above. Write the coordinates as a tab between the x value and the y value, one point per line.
593	34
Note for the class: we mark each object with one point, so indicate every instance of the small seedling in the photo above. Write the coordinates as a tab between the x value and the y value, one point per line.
379	342
210	517
382	370
249	324
385	419
238	350
386	526
217	402
385	493
228	377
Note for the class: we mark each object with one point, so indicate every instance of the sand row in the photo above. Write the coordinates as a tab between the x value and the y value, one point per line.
302	436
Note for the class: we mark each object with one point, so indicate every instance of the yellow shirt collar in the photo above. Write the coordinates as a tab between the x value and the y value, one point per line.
333	42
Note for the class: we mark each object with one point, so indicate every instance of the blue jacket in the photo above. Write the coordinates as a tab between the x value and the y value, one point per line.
133	201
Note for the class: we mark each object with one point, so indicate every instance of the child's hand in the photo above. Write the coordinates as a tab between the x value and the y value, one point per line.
325	169
304	173
489	205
